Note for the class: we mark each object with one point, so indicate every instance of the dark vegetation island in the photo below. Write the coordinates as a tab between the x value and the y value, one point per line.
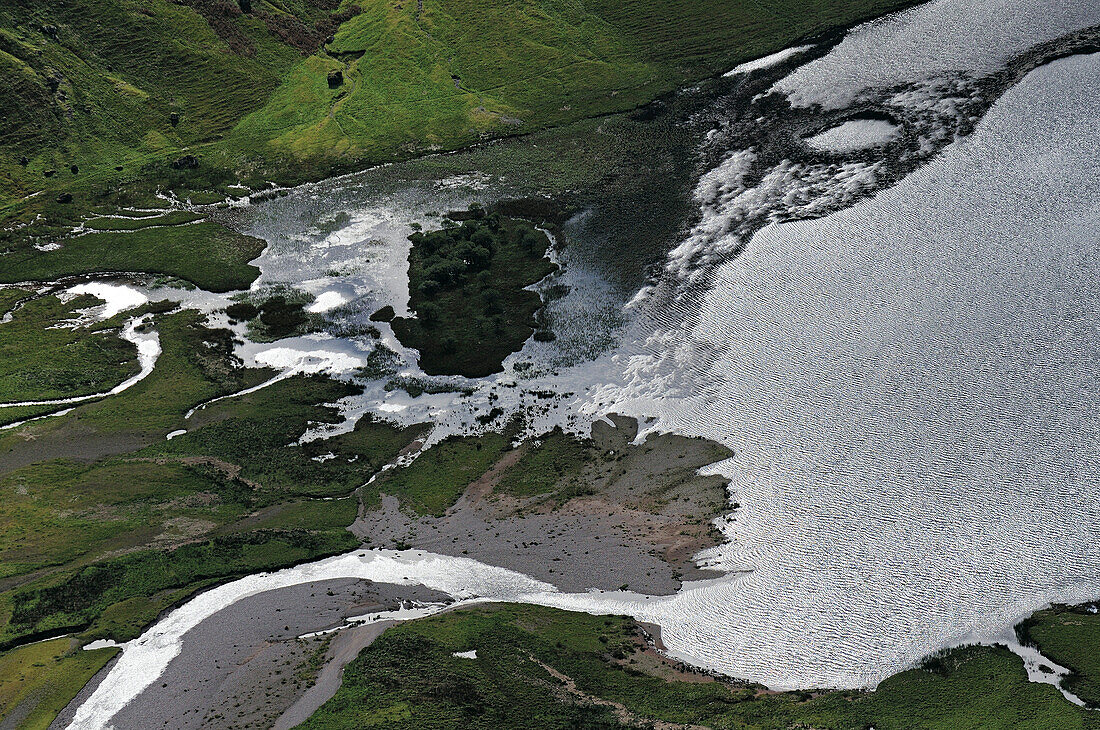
468	285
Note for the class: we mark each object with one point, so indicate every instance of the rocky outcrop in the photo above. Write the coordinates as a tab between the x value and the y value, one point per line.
187	162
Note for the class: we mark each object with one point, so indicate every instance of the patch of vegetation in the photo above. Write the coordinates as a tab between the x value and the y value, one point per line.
43	358
75	601
552	465
258	434
1069	636
467	284
22	413
545	668
37	681
439	476
312	665
206	254
273	316
658	476
196	364
417	387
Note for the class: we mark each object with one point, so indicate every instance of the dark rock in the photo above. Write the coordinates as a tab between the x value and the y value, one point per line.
74	169
335	78
330	39
65	198
118	168
49	173
245	5
385	314
50	30
187	162
174	118
24	161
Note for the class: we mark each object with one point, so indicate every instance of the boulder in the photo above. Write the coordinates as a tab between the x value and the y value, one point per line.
245	5
385	314
24	161
187	162
74	169
65	198
174	118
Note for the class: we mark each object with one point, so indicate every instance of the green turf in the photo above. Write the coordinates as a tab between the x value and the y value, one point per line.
41	359
558	458
437	478
409	679
1070	636
259	431
238	474
207	254
194	366
18	414
37	681
468	285
74	601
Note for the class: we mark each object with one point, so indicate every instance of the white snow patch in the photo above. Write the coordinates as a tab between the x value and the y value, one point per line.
768	61
117	297
854	134
326	301
309	361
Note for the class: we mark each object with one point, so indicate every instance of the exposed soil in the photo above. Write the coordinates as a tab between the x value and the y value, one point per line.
648	514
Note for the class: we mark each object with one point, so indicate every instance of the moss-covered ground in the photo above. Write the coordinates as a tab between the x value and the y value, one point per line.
439	476
44	357
106	523
206	254
545	668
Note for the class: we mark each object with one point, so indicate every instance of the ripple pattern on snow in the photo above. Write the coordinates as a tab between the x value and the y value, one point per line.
910	389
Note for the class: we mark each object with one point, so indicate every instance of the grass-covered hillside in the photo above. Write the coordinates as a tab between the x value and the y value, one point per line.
543	668
192	94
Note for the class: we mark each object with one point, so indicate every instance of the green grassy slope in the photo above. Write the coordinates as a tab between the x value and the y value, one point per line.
37	681
545	668
122	88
